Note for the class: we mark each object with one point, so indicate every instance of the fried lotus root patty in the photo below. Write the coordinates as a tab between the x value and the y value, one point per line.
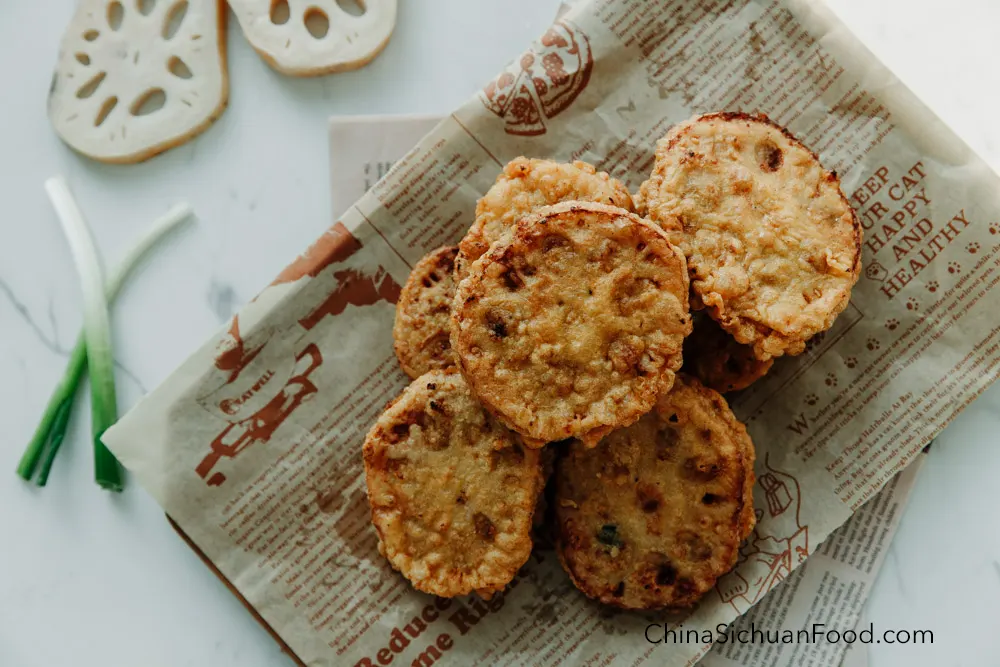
423	314
655	514
524	186
718	361
773	246
573	325
452	492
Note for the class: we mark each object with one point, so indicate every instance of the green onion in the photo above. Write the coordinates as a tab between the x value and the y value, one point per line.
51	429
96	329
61	400
58	434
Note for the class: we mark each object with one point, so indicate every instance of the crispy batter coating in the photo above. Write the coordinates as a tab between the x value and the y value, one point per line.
655	514
772	243
423	314
718	361
640	203
526	185
573	325
452	491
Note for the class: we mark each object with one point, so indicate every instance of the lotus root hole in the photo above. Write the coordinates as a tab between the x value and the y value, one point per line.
280	12
105	111
174	19
115	15
769	156
89	88
317	22
83	59
352	7
146	7
149	102
179	68
91	35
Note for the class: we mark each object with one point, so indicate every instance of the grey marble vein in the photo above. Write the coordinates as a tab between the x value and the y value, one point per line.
132	376
48	341
52	321
52	342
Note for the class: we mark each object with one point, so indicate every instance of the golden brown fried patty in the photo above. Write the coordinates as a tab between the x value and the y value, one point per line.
655	514
423	314
773	246
452	491
526	185
573	325
718	361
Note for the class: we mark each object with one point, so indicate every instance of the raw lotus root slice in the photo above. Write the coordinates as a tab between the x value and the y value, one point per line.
315	37
137	77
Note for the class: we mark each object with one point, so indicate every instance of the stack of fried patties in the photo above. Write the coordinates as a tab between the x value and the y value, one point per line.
552	338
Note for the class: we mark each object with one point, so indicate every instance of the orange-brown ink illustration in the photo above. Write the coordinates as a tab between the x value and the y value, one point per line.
777	545
543	82
260	389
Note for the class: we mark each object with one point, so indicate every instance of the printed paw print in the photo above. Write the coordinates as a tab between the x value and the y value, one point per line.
873	344
850	362
831	380
954	267
911	304
995	228
932	286
973	248
812	399
891	324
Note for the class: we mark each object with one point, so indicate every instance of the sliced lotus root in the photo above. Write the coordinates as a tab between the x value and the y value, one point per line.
526	185
772	244
315	37
452	492
655	514
137	77
421	332
572	325
718	360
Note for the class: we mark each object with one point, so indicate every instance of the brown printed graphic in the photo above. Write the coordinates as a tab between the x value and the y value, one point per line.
875	271
543	82
353	287
336	245
779	542
262	425
234	356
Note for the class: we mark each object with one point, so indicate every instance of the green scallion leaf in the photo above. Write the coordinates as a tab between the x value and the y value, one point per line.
59	425
51	428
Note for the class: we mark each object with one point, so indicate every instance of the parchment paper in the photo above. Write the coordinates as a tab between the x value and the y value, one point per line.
848	562
253	445
841	573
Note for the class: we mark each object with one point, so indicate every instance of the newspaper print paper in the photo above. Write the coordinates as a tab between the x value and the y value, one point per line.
849	560
253	444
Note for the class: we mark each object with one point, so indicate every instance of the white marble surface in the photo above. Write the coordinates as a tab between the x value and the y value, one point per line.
87	578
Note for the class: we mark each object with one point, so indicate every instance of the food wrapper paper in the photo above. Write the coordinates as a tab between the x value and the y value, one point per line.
830	589
253	445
